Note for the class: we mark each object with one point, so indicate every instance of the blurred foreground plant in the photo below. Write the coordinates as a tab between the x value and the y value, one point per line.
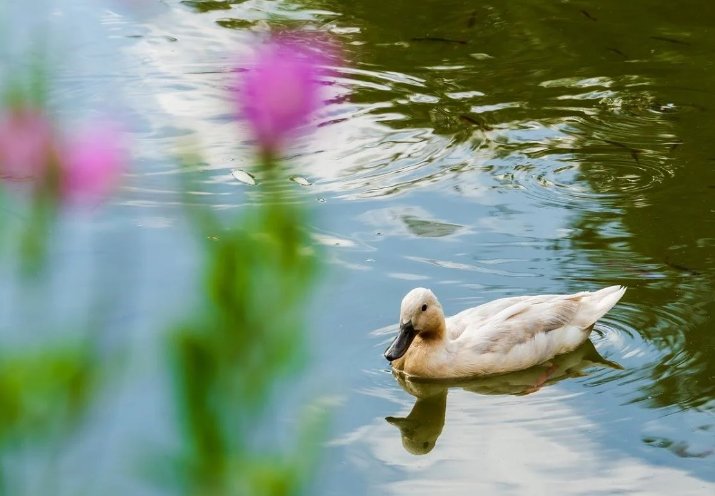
44	395
45	387
55	169
229	357
258	271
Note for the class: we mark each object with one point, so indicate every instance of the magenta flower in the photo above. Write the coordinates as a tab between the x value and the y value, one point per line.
26	148
92	163
280	90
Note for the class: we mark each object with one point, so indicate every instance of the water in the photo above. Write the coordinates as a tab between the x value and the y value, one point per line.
480	150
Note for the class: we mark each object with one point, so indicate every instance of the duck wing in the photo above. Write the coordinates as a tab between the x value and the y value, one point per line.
478	316
520	323
523	319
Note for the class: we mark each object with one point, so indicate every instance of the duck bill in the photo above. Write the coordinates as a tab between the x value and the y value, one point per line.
402	342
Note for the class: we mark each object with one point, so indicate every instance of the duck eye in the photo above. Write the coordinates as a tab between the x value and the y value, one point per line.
424	307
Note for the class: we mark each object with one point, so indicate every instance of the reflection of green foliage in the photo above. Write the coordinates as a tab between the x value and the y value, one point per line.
232	23
209	5
248	335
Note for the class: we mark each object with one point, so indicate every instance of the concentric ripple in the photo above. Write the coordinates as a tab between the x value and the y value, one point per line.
649	344
568	183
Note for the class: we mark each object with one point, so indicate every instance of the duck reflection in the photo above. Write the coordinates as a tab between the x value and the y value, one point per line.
423	426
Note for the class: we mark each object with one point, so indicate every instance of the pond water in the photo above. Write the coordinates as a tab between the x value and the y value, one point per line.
479	149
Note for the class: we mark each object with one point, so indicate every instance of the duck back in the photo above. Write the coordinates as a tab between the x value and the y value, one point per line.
519	332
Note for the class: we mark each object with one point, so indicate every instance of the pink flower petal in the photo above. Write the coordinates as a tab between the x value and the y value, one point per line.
92	163
280	90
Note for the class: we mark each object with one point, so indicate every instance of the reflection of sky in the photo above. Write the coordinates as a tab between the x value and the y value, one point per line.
537	444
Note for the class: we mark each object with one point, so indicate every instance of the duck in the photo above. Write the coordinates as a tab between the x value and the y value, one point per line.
502	336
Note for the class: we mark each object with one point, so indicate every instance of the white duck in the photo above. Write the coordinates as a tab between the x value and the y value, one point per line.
501	336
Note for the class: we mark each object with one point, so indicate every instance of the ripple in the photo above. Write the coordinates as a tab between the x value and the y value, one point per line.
567	183
402	130
585	161
448	264
649	344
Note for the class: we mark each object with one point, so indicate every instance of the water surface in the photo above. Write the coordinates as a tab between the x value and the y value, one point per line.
483	151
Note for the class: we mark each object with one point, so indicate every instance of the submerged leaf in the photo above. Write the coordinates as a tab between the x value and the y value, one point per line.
429	228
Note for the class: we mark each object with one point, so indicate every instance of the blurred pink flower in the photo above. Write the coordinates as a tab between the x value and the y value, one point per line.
92	162
280	89
25	144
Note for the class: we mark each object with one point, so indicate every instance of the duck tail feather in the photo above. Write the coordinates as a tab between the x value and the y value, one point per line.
597	304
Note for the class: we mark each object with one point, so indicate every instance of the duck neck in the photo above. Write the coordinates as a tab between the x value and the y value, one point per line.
437	334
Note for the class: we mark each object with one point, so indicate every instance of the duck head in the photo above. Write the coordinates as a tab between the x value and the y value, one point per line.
420	315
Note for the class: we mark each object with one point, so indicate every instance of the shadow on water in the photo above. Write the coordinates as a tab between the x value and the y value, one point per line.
422	427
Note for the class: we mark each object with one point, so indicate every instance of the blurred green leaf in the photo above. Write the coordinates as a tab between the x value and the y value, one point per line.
43	393
246	338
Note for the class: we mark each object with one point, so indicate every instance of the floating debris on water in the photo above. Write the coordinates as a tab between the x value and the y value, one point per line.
244	177
472	20
300	180
587	15
439	39
617	52
635	152
674	41
477	121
